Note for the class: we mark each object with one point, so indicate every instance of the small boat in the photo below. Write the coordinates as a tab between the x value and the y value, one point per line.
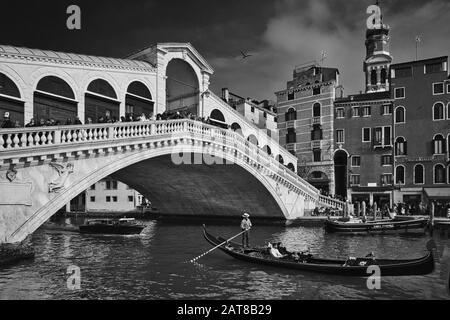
124	226
356	267
358	226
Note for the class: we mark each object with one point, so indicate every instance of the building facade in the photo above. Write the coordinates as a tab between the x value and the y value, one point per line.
306	122
421	95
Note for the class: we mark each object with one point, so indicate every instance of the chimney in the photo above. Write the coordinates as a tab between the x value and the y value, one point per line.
225	95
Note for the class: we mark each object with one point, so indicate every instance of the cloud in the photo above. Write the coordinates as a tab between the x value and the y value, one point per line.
299	30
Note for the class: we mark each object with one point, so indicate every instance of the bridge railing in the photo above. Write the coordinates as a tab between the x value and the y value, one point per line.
18	139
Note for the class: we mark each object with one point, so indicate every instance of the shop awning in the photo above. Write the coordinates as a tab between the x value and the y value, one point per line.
438	193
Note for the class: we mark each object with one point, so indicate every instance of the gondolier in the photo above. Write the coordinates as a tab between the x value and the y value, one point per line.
246	225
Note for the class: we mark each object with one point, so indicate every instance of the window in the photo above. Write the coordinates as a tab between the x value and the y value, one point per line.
386	179
108	184
355	180
433	67
93	187
438	88
291	96
92	199
340	136
291	136
114	184
386	109
439	174
404	72
382	136
265	115
316	110
340	113
448	87
291	115
383	75
367	111
419	174
130	198
400	115
400	147
114	199
356	112
400	175
399	93
316	91
438	111
438	144
317	155
366	135
448	111
373	77
356	161
316	134
386	160
108	199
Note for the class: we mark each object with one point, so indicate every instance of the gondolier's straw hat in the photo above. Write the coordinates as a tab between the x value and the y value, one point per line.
245	215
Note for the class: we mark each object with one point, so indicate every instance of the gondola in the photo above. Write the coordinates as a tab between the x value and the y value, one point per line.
356	267
123	226
375	227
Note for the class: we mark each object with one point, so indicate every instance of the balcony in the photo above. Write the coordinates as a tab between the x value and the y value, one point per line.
316	144
316	121
381	145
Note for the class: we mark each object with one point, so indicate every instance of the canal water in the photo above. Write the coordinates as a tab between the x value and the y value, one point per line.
152	266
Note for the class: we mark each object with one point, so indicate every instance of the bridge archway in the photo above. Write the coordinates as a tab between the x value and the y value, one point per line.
11	99
280	159
267	149
101	103
252	139
54	99
217	118
138	99
182	87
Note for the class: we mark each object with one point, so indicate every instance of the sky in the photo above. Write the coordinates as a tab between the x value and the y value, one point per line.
279	34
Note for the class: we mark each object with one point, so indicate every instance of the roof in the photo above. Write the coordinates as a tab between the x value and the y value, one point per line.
438	193
420	62
73	57
366	97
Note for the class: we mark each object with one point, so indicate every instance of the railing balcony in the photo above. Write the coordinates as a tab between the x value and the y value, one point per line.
316	144
316	121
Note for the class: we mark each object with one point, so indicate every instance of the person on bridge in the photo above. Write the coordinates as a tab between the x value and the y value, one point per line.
7	123
246	225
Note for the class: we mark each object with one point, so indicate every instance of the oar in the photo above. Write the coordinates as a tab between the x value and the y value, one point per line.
209	251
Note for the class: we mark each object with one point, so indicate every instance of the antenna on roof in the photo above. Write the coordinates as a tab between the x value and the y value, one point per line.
323	55
418	41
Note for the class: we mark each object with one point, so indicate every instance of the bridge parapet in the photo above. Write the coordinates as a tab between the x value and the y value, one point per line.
29	146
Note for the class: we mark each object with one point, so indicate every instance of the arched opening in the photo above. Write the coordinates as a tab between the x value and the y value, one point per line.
218	119
280	159
373	77
316	110
10	100
138	100
419	176
438	111
291	167
252	139
400	115
400	175
267	150
54	101
401	147
101	104
383	76
340	173
291	115
182	88
439	174
319	180
439	144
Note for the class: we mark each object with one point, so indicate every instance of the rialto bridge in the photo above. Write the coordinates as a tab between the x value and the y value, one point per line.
184	166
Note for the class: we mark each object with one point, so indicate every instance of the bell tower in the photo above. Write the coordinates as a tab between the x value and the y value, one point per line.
378	57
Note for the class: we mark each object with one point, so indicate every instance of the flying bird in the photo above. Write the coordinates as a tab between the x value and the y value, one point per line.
246	55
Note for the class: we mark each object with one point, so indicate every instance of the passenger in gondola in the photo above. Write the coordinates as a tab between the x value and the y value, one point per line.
274	252
246	225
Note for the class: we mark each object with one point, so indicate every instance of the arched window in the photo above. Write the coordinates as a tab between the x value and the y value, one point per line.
400	175
251	138
217	115
56	86
291	136
8	87
439	144
138	100
140	90
236	127
373	77
291	167
400	115
419	176
103	88
438	111
401	147
439	174
316	110
101	104
267	150
280	159
291	115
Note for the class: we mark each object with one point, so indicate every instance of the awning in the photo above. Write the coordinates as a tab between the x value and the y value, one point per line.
438	193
